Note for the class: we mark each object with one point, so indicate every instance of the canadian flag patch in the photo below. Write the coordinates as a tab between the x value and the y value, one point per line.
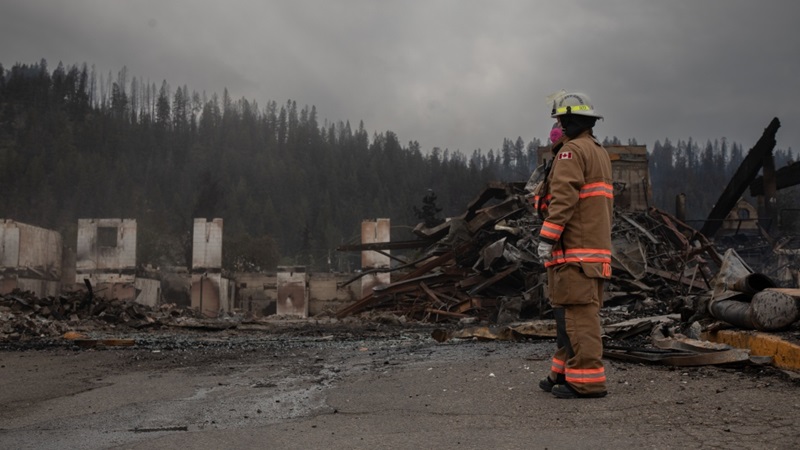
565	155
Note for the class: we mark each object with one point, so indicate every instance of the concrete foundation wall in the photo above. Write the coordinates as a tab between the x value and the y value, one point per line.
258	293
212	294
114	291
205	294
30	259
40	288
327	297
104	262
27	246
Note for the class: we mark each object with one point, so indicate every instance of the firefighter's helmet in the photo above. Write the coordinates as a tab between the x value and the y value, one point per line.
573	103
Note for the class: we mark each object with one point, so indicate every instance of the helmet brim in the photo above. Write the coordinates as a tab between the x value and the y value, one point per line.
580	113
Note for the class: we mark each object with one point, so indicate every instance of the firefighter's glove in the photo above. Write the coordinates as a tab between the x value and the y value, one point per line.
545	251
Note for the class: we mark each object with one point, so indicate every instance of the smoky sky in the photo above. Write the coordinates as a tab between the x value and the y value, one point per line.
454	74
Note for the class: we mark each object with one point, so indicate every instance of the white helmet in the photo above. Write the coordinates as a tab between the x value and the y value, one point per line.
572	103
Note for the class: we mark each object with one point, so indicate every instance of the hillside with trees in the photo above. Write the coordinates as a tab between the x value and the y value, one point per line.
290	186
74	144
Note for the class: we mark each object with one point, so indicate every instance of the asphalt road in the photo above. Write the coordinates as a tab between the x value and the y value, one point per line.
393	388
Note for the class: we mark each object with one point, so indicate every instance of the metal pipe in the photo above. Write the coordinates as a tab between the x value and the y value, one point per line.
768	310
753	283
734	312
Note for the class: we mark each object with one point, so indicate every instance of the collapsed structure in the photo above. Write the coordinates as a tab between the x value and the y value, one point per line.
483	265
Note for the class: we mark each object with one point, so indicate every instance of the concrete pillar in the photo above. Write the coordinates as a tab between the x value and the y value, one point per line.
373	232
207	292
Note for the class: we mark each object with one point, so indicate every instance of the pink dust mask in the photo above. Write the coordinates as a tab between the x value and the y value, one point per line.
555	134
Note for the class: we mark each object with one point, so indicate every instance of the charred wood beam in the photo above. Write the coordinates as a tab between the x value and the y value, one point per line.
447	298
382	270
744	175
786	176
676	236
440	312
639	227
430	265
362	304
471	281
680	279
469	304
495	213
494	279
432	295
357	306
390	256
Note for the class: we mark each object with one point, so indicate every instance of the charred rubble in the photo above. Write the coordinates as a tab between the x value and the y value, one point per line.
26	316
482	267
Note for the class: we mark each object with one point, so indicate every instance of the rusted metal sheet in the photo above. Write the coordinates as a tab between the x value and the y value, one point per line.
634	327
675	357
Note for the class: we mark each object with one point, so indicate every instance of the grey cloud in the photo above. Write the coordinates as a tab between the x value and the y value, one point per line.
449	73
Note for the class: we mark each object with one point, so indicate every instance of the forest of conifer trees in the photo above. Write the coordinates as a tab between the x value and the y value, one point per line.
290	187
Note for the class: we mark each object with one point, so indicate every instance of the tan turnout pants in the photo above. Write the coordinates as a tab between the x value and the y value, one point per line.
576	301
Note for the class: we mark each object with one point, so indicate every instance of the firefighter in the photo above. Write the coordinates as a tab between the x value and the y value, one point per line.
575	246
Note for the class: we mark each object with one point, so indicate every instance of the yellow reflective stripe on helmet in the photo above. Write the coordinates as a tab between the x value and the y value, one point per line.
564	109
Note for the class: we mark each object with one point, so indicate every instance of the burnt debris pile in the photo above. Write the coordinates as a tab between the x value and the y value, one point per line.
483	266
23	315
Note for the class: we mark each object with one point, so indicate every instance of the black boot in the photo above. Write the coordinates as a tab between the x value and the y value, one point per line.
566	391
547	384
